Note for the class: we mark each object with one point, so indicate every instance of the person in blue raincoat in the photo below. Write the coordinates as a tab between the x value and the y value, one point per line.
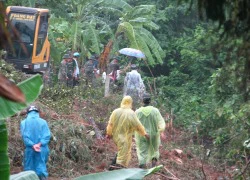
151	119
36	136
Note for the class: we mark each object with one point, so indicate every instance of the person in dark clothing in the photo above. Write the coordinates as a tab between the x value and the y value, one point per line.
114	68
70	66
95	59
62	74
89	71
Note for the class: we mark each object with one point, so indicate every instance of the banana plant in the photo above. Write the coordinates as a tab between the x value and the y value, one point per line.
31	88
58	38
87	28
136	24
78	32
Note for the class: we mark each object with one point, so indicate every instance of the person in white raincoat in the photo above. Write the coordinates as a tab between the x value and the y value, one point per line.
134	86
151	119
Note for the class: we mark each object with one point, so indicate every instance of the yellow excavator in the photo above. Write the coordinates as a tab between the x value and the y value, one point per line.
29	49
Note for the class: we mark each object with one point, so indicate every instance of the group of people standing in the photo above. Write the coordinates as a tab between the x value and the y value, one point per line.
132	85
144	123
69	70
69	74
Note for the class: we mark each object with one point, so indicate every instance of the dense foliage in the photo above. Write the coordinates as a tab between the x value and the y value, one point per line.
200	69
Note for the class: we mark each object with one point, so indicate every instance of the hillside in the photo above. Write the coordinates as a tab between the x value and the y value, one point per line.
194	60
78	145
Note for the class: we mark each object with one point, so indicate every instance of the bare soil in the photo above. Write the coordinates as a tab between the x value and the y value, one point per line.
177	158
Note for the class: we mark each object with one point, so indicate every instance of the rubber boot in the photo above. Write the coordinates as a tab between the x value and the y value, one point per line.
113	163
142	166
43	178
154	161
114	160
116	166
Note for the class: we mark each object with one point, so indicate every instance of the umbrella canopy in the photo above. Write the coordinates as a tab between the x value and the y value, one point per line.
132	52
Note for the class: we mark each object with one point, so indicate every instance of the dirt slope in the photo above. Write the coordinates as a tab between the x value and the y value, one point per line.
91	153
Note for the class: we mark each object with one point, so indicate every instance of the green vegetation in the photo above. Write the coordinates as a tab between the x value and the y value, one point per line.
31	89
201	68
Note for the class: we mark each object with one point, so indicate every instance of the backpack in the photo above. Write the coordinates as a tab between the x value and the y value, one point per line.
89	68
69	69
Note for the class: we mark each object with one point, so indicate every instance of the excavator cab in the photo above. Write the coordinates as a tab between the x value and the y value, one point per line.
29	50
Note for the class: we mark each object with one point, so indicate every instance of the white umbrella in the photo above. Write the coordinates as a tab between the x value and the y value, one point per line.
132	52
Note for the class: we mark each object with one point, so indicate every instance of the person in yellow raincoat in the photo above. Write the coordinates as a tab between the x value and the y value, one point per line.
122	125
154	124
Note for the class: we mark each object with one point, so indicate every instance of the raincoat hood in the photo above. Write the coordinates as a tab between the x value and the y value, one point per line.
122	125
153	122
35	130
33	114
147	110
127	102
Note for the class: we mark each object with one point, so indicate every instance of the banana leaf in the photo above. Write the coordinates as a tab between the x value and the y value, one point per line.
4	160
31	89
121	174
25	175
